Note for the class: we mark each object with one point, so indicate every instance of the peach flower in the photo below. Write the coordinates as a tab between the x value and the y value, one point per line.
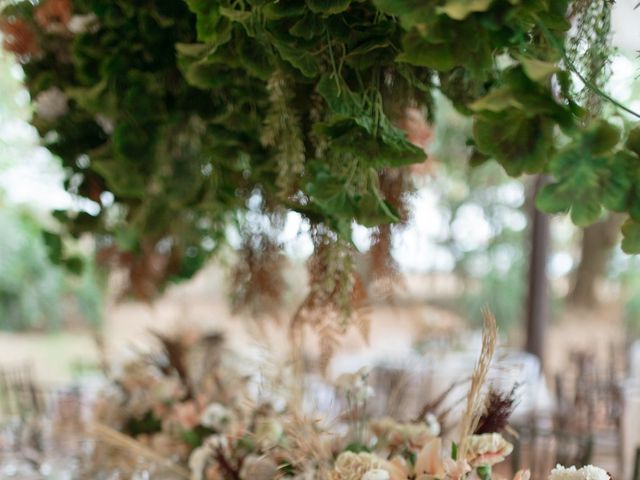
487	449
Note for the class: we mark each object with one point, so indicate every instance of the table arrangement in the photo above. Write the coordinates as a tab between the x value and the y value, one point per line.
195	409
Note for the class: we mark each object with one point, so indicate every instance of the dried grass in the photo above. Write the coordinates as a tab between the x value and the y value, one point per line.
475	397
123	442
336	298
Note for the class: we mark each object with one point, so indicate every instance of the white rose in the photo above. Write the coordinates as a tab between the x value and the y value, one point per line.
376	474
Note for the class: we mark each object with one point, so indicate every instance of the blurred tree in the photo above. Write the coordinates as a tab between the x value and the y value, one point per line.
597	242
474	200
35	293
538	293
31	287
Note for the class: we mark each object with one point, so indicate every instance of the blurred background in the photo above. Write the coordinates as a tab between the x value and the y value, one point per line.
567	300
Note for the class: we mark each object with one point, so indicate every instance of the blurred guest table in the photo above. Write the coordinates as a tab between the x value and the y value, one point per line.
405	382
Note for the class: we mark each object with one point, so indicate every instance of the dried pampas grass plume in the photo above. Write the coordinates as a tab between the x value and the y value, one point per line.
475	398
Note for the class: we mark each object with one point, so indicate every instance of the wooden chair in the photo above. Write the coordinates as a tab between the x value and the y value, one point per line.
586	425
636	465
19	394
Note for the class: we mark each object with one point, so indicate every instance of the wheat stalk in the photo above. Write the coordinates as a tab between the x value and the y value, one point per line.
119	440
475	400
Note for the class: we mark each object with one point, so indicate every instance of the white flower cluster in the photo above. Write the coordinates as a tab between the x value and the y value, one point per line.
588	472
216	416
377	474
355	384
201	456
432	424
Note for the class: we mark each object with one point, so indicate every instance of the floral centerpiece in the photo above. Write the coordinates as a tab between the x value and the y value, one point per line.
212	427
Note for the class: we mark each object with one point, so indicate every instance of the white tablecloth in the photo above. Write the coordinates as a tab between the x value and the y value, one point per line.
630	423
425	376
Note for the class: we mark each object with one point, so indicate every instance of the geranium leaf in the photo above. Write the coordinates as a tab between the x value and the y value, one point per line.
461	9
537	70
631	237
520	144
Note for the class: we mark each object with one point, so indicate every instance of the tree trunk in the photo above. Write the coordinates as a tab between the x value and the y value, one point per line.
597	241
537	308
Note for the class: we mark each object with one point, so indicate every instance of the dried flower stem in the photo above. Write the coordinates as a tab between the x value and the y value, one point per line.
475	399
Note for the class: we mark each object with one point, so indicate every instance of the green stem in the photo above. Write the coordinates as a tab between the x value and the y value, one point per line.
484	472
597	90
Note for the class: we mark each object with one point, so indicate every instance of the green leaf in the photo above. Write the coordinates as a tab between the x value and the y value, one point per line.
328	7
618	181
254	58
339	97
551	199
298	57
589	175
631	237
94	98
211	26
240	16
537	70
74	264
357	447
633	140
53	243
419	52
400	8
375	52
192	49
338	199
279	10
601	137
461	9
519	143
122	179
496	100
389	148
308	27
585	213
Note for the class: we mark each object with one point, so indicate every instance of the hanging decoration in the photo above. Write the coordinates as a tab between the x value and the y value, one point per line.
172	116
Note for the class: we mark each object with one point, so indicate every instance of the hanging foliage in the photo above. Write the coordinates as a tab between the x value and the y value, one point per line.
171	115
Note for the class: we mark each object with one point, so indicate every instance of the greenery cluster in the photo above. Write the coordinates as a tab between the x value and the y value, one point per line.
25	262
36	294
186	113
